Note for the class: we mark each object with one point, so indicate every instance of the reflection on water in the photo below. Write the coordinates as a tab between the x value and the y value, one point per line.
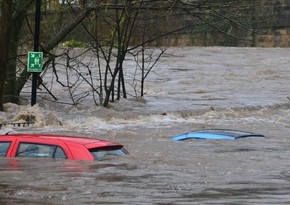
226	88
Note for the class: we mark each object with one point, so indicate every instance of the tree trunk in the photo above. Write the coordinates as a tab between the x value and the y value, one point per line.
5	22
11	94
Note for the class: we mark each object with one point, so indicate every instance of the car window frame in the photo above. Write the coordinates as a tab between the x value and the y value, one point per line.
52	156
20	139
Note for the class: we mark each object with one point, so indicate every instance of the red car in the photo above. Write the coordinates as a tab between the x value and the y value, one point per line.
58	146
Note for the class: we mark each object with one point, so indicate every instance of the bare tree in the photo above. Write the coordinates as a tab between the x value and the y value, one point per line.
121	28
14	16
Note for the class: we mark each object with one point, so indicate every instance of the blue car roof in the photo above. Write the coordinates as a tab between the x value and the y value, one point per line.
215	134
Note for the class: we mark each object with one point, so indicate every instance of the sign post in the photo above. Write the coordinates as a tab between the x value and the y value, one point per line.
35	58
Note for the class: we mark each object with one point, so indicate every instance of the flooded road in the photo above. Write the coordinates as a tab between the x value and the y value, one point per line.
191	88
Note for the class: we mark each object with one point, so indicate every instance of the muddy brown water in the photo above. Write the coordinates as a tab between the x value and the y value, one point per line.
249	92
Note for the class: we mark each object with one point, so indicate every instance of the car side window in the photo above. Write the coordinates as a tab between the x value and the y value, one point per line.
4	148
59	153
39	150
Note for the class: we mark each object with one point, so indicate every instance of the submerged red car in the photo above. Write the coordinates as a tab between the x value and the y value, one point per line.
58	146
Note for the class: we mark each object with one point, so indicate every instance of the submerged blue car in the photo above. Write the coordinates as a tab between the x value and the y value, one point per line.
215	134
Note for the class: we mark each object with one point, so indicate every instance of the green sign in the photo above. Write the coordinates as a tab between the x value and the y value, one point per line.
34	61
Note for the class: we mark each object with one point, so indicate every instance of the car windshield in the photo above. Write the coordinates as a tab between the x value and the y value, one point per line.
101	153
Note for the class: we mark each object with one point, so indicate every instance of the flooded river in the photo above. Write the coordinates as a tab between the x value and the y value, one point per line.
191	88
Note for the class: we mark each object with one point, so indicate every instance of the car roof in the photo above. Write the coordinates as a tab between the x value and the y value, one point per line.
85	141
216	134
